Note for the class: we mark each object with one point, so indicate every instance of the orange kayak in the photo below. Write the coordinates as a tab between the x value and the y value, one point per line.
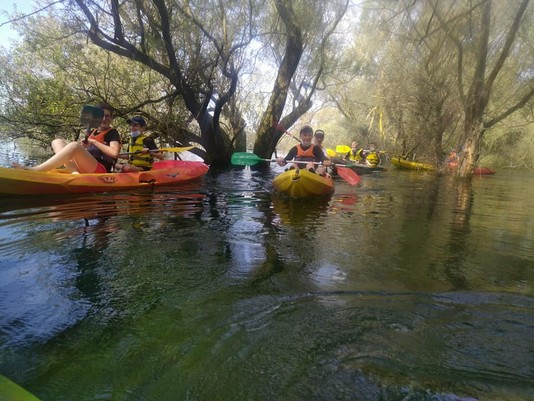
167	172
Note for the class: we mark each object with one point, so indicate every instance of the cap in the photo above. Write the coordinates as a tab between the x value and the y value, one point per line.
137	120
319	132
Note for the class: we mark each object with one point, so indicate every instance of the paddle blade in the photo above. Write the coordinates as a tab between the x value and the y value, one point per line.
177	150
330	153
343	149
245	159
91	116
348	175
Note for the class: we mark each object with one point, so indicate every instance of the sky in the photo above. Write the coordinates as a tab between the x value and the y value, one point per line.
7	35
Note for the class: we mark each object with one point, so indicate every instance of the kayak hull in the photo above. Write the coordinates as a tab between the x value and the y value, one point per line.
401	163
299	183
363	168
476	171
28	182
483	171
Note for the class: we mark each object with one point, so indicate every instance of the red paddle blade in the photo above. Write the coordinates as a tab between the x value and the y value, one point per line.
348	175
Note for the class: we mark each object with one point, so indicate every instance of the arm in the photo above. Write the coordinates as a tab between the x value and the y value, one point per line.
113	149
320	156
282	161
151	146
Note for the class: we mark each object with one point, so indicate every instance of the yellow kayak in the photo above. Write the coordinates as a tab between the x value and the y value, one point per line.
302	184
401	163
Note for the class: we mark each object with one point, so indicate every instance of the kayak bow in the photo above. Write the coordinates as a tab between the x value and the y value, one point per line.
299	183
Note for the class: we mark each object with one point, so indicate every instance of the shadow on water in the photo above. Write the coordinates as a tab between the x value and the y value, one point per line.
398	289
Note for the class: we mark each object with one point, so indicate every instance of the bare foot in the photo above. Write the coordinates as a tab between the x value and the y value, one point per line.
18	166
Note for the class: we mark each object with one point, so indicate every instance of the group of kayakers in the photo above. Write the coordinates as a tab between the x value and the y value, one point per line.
100	150
359	155
310	152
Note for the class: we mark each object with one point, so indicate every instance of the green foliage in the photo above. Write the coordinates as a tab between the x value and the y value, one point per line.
403	75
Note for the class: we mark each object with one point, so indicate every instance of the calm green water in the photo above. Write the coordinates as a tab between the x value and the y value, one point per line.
398	289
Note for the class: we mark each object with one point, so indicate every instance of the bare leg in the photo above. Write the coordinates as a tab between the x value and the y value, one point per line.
83	161
57	145
321	170
129	168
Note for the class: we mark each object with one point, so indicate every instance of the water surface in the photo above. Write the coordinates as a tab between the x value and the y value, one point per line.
402	288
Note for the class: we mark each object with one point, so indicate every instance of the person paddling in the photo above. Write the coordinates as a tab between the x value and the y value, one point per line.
307	152
96	154
142	148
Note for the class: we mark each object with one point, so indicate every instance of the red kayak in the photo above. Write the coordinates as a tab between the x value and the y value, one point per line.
477	170
483	170
166	172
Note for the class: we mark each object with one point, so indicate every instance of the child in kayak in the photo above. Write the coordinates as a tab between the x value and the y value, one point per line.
306	152
142	147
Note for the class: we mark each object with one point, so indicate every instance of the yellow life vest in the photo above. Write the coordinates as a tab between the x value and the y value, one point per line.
356	156
139	159
373	158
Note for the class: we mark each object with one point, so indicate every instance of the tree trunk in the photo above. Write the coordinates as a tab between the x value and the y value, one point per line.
470	153
267	136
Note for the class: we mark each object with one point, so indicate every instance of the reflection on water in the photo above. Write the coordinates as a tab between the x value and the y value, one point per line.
404	287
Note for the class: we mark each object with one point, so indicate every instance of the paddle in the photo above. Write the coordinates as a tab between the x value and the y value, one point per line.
175	150
348	175
90	117
330	152
250	159
343	149
280	127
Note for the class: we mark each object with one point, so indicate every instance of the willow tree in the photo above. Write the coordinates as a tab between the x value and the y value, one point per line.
445	72
200	48
481	57
302	30
493	50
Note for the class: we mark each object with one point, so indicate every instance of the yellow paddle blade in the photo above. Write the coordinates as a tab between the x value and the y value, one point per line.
343	149
182	149
330	152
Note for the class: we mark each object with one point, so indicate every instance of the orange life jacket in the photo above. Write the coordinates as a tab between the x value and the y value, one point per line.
305	155
106	160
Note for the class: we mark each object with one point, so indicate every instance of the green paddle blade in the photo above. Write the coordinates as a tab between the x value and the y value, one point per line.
91	116
245	159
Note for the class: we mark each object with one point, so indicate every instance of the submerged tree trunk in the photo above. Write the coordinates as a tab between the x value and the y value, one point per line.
268	135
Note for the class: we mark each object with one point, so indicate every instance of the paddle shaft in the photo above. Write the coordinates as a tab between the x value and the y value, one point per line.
291	161
281	128
175	150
